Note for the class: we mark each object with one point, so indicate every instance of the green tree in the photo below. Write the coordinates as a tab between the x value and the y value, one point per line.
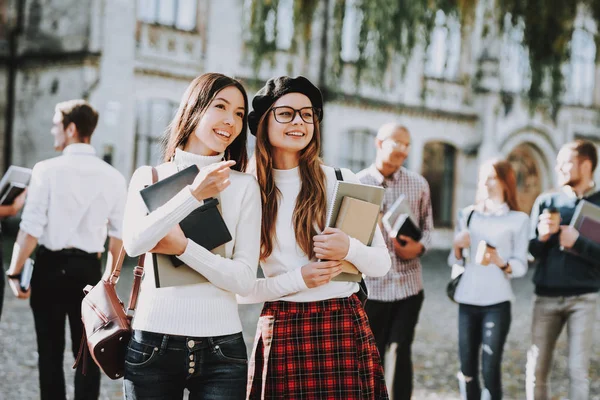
391	29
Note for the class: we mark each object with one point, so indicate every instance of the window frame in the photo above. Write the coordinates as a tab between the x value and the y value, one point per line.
154	18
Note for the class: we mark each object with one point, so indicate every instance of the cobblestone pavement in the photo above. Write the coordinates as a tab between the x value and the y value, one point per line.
434	353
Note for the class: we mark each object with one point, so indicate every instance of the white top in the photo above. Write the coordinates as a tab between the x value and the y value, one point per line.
203	309
507	230
74	201
283	267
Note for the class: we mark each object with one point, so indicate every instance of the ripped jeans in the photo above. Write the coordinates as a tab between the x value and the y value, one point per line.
482	329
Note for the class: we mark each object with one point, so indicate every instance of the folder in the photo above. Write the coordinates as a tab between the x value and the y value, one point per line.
349	202
586	219
398	220
405	226
205	226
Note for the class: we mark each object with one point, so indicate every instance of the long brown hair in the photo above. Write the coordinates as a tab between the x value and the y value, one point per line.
311	203
197	97
507	178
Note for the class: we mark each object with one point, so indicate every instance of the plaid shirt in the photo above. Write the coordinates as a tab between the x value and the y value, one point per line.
404	278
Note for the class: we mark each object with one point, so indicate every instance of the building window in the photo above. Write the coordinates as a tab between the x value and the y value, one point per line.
179	14
278	23
515	71
443	53
579	73
438	169
358	150
153	117
351	31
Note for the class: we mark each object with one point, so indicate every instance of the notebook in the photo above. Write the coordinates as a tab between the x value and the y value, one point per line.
405	226
14	181
364	193
586	219
356	218
10	194
204	225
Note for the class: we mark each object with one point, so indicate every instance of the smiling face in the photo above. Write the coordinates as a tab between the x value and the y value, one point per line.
490	185
294	136
220	124
394	146
568	167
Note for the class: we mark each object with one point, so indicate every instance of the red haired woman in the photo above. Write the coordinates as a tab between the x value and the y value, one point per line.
496	229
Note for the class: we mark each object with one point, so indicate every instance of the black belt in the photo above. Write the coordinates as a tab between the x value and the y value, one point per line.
67	252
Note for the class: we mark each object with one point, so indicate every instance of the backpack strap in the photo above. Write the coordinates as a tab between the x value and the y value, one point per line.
338	174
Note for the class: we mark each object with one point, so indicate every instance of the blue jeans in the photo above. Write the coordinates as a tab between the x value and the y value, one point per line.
482	329
161	366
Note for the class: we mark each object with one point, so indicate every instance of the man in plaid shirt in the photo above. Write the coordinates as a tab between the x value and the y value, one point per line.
395	299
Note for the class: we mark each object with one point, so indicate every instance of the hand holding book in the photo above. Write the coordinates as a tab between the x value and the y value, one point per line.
173	244
320	272
331	244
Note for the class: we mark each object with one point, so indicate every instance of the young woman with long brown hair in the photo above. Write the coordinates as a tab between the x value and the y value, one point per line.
313	339
190	336
496	229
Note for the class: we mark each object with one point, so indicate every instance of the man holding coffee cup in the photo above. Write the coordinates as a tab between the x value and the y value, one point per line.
567	277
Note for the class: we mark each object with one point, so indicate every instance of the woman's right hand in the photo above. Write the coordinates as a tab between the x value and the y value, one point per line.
319	273
211	180
462	240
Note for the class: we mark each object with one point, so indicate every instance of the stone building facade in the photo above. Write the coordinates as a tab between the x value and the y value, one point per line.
462	98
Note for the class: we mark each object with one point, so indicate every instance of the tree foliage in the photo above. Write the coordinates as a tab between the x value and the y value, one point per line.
390	30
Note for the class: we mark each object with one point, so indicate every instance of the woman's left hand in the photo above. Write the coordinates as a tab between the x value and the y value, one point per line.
173	244
494	258
331	244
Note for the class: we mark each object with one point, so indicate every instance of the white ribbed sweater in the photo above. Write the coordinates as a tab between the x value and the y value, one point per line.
283	267
205	309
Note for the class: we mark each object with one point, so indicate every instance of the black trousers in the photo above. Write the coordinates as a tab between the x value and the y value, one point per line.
395	322
56	294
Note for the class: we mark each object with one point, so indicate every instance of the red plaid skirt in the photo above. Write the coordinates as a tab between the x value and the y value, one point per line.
316	350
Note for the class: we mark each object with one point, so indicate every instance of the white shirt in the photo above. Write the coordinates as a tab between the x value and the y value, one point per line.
282	268
74	201
507	230
203	309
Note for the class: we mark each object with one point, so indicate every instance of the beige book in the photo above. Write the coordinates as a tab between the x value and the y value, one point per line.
358	219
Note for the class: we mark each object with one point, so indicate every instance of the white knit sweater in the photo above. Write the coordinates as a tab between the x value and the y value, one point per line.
283	267
205	309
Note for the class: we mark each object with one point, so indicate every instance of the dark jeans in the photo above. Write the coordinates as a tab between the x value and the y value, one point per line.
395	322
56	293
2	278
482	329
161	366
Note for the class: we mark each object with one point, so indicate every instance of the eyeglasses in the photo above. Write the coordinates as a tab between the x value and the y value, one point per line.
397	145
285	114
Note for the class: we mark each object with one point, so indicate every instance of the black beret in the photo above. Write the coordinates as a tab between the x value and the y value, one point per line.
277	87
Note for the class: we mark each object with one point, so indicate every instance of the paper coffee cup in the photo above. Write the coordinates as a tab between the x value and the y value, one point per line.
480	255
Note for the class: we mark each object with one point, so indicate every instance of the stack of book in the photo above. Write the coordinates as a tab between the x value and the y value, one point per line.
205	226
355	211
13	183
399	221
586	220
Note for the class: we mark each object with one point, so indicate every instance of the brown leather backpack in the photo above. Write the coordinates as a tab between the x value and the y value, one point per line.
106	323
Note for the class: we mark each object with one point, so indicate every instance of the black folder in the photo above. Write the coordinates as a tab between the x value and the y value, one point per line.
406	227
204	225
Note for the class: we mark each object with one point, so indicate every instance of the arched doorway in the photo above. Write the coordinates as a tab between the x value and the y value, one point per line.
530	168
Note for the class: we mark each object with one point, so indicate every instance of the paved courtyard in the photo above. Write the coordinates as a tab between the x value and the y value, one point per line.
434	354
